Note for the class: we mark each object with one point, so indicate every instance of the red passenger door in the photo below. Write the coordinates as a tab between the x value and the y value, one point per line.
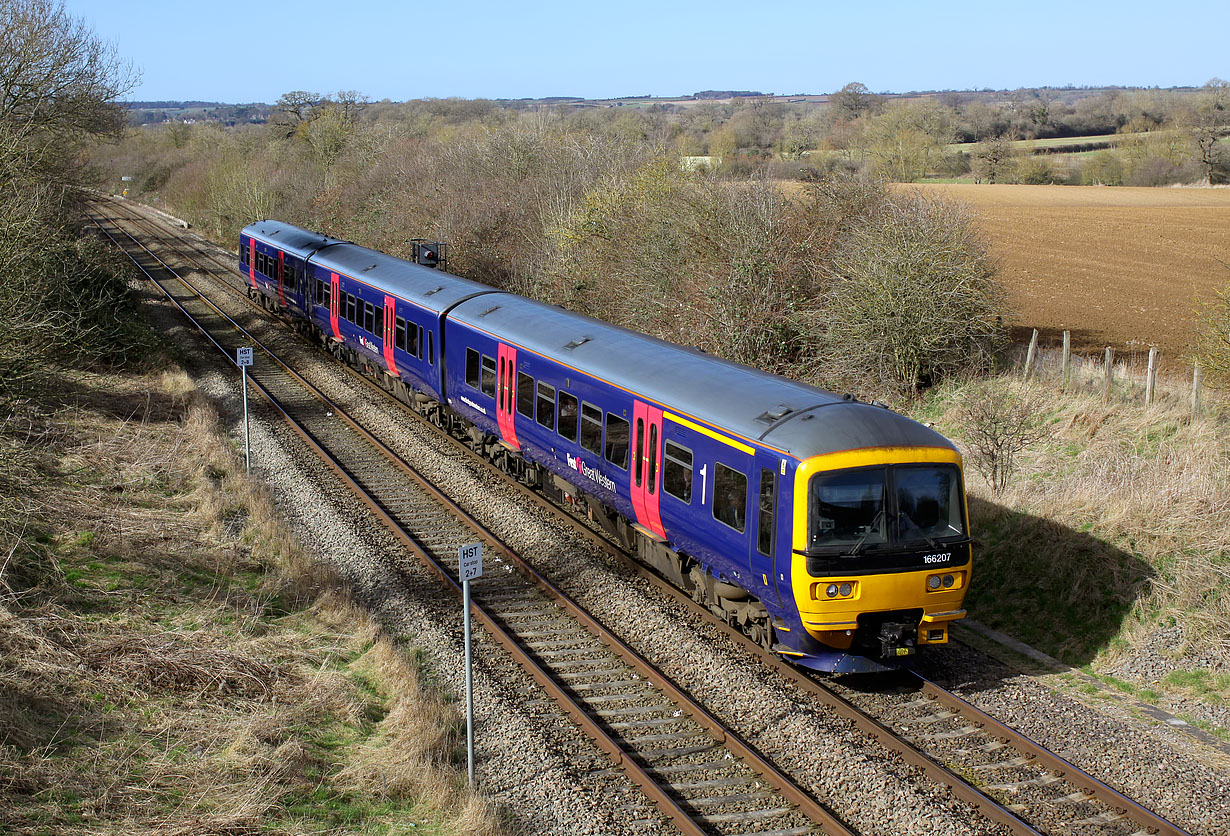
390	314
506	396
252	261
647	466
282	277
335	296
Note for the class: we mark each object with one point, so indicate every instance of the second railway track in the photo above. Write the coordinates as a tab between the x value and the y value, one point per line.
1040	792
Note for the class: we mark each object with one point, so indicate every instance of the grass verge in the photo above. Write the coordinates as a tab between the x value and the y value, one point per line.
1111	545
171	662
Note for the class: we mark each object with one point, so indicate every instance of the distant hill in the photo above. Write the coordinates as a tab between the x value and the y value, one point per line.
727	94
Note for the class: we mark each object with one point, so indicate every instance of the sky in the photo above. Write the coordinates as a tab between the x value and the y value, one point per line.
233	51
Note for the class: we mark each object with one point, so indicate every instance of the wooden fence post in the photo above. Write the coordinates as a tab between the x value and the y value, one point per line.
1110	369
1031	354
1151	375
1066	373
1197	378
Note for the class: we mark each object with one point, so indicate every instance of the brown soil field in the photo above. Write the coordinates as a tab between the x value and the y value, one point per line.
1116	266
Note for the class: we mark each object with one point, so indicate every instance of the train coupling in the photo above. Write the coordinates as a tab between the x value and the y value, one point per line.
897	640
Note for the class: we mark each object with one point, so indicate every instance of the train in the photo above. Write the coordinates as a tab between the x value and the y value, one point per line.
830	530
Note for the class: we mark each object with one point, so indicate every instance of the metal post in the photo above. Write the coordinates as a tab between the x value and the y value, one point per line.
469	567
247	446
465	594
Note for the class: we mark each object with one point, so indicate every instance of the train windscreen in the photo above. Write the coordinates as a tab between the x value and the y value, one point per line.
877	507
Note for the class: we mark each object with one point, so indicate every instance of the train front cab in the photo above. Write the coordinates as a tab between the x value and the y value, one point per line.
881	555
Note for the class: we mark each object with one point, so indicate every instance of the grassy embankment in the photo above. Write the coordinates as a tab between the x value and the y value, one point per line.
170	660
1113	539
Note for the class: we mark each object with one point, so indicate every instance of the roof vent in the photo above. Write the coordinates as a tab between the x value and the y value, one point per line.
489	310
776	413
434	290
365	269
576	343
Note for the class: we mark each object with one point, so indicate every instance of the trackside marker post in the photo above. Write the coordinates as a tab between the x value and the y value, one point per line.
469	566
243	359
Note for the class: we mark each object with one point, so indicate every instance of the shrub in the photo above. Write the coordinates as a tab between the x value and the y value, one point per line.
911	299
1213	339
999	421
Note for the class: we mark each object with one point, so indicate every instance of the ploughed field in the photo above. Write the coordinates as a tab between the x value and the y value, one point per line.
1116	266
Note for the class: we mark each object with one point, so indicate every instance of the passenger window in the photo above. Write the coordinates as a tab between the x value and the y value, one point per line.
546	405
350	309
677	471
472	367
379	329
431	348
591	428
567	416
768	502
730	497
488	376
525	394
369	318
617	441
418	344
399	339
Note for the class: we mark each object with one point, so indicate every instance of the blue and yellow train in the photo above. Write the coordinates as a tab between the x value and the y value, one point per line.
832	531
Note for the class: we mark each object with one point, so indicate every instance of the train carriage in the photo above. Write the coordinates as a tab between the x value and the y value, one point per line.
833	531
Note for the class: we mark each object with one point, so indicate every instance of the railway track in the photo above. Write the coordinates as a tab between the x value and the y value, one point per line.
698	772
1010	779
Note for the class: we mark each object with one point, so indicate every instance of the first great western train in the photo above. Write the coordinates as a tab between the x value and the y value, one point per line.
831	531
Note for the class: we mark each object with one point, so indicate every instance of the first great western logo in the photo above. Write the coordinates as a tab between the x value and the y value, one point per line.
590	472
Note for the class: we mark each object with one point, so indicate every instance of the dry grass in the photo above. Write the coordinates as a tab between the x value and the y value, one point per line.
171	662
1117	525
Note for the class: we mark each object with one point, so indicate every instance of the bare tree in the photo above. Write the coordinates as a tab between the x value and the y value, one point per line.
1210	122
998	422
292	110
58	83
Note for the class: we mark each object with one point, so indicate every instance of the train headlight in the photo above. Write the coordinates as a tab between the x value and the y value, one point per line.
947	581
831	591
933	582
846	589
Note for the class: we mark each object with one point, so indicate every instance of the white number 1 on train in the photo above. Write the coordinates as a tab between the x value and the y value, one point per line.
704	482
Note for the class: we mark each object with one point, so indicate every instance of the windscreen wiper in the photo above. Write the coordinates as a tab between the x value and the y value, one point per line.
874	522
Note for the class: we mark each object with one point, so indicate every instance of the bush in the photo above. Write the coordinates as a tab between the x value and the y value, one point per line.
998	421
1102	169
1213	339
912	297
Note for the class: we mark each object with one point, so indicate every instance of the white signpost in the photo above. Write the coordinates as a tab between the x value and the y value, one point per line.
470	566
243	359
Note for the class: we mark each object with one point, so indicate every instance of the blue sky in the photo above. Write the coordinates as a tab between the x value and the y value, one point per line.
255	51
